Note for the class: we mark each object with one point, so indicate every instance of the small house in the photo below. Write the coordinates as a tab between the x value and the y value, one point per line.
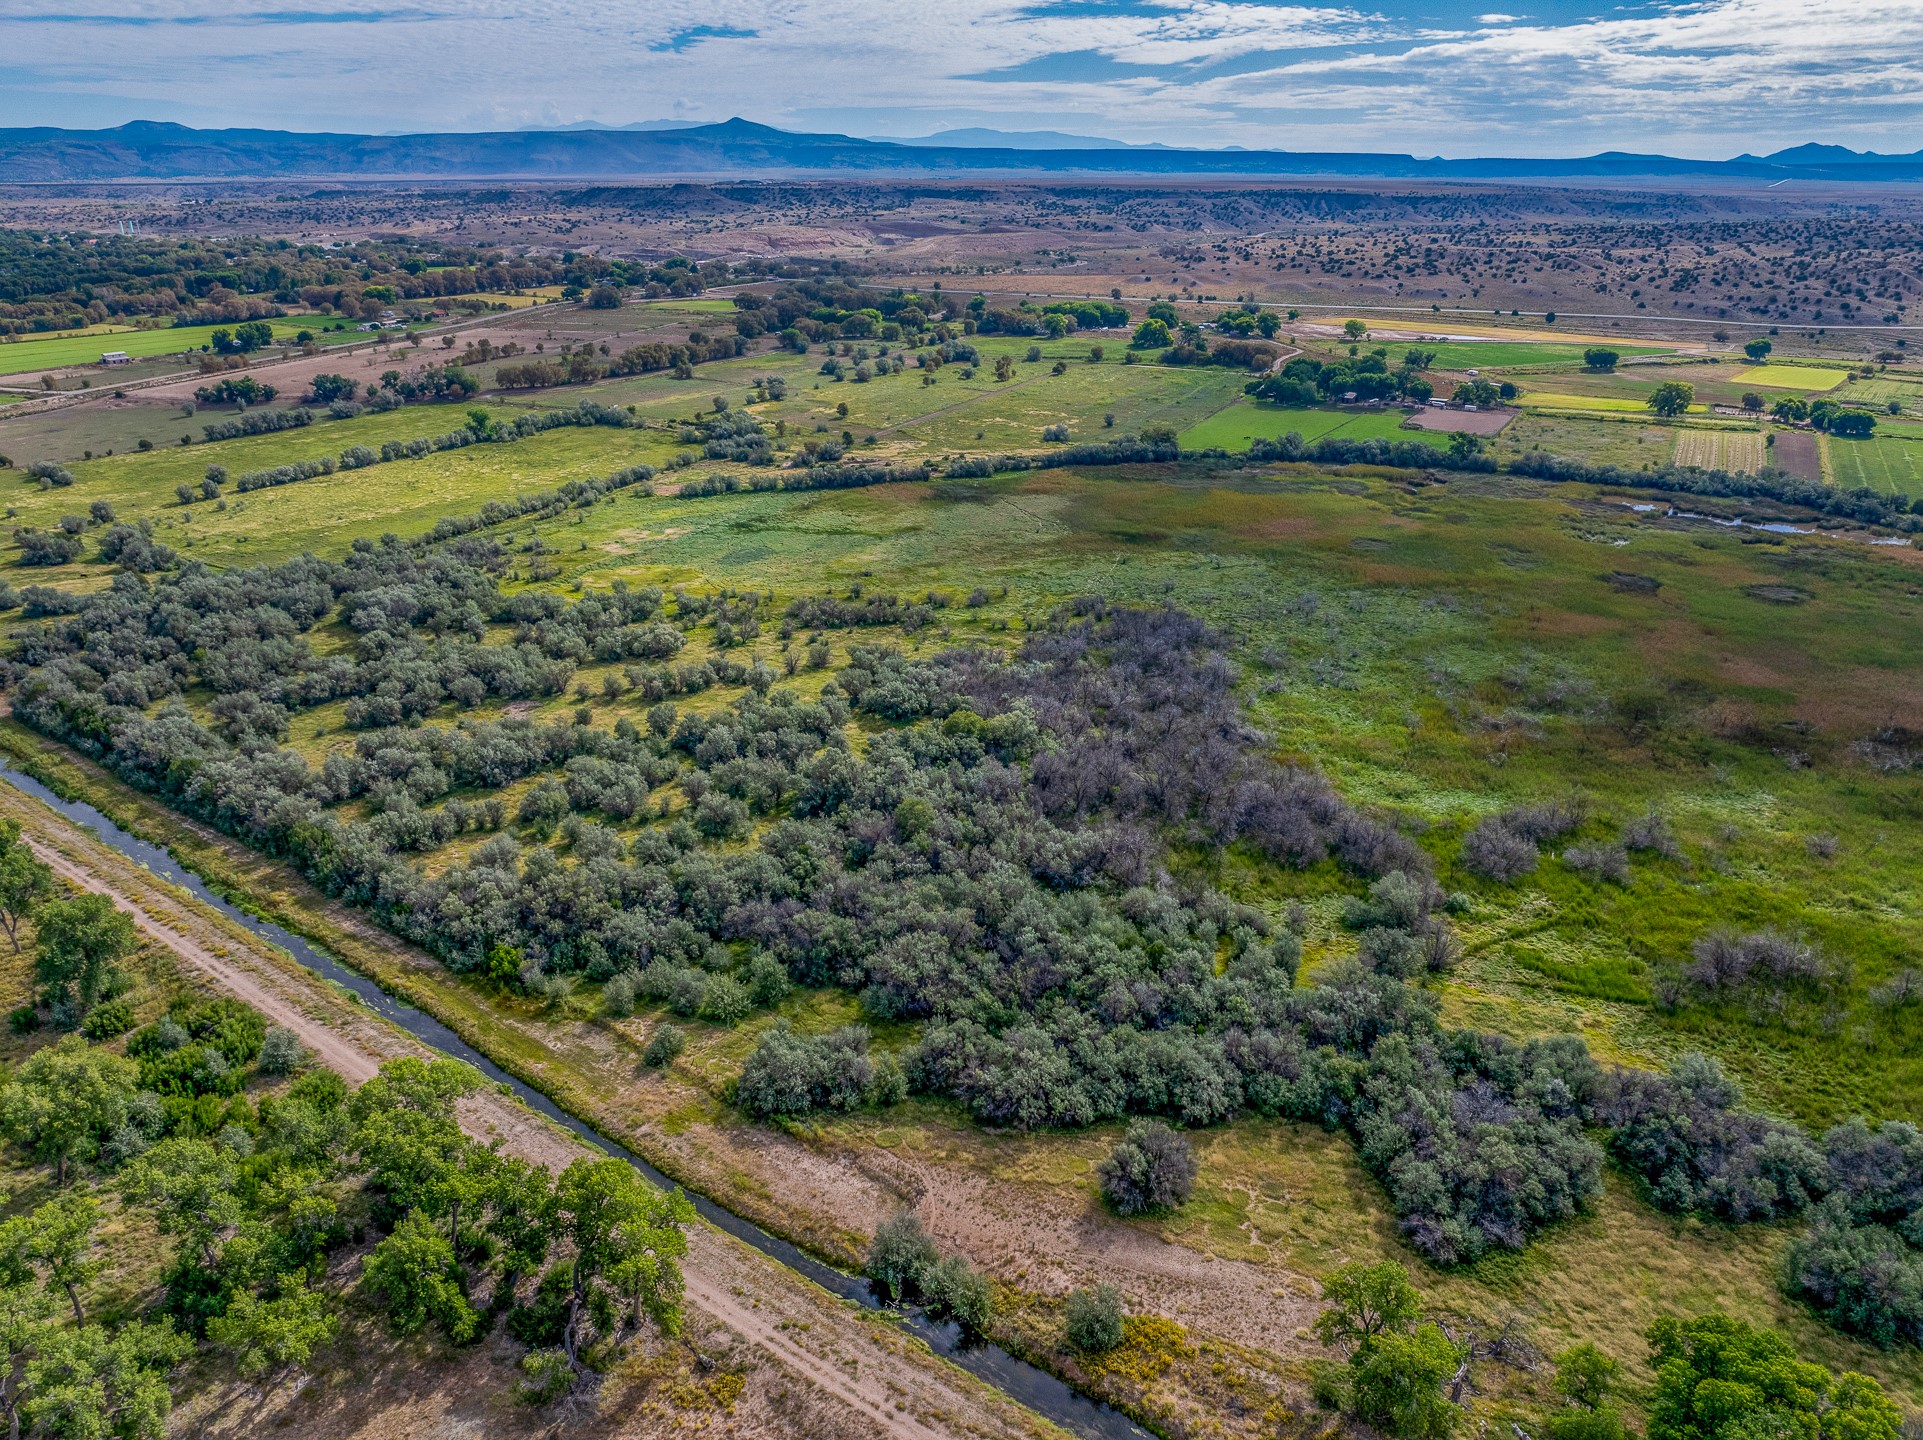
116	357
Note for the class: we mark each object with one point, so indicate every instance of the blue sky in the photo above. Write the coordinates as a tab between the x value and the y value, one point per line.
1429	77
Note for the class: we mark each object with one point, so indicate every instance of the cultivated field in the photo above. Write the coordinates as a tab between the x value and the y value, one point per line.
1808	378
1799	453
1738	450
28	355
1233	428
1891	464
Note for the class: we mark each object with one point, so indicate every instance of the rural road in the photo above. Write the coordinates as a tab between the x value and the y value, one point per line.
895	1387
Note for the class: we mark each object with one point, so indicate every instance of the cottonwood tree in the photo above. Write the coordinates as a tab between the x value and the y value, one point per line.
407	1133
1671	398
520	1217
1718	1378
192	1185
1397	1367
78	947
1365	1301
85	1383
25	1309
61	1241
415	1272
65	1100
25	883
626	1235
278	1335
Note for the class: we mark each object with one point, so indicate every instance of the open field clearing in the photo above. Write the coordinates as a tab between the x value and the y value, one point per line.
324	514
1736	450
1635	441
1232	429
25	356
1808	378
1889	463
1509	354
1799	452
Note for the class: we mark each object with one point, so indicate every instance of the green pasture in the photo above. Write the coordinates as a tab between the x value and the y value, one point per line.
1504	354
1809	378
1891	464
326	513
1906	390
1436	612
69	334
20	356
1595	404
1233	428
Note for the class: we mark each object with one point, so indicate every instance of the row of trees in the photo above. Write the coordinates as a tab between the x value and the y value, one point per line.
258	1192
1307	381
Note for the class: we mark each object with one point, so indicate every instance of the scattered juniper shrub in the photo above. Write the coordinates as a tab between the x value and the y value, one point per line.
1094	1322
901	1256
107	1020
724	1001
1599	862
1723	961
667	1042
955	1289
1901	991
1651	833
281	1052
1861	1263
1151	1171
619	994
1697	1152
791	1074
1496	852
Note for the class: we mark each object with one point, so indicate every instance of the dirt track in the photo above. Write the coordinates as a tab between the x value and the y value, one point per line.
878	1380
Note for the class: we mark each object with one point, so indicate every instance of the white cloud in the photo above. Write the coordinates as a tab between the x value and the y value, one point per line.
1696	76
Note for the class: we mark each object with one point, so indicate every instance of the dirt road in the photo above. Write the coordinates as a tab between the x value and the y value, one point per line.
881	1381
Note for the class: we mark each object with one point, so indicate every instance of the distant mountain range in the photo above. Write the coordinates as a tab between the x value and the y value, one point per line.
976	138
151	150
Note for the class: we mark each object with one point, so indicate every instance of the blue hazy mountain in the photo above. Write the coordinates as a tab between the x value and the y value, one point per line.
734	148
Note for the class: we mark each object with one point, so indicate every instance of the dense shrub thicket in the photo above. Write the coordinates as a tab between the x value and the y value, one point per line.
990	867
1862	1262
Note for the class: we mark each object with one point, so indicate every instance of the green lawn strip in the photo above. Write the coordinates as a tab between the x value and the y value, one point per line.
326	513
1233	427
23	356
